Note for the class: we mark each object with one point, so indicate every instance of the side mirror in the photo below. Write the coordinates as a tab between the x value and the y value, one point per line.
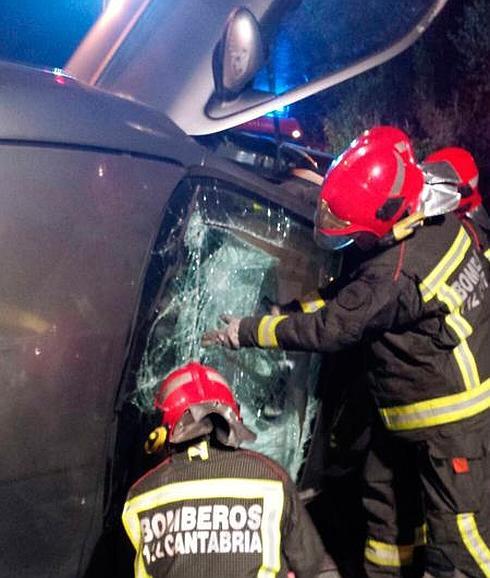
239	54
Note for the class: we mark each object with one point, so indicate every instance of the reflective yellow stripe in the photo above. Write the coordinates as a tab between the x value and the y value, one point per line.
133	530
487	254
464	357
438	411
312	302
384	554
270	491
421	535
266	333
474	542
451	408
446	266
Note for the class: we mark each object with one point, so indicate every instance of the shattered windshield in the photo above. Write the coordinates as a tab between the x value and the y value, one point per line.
228	254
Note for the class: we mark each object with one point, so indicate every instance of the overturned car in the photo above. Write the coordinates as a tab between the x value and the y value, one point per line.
124	238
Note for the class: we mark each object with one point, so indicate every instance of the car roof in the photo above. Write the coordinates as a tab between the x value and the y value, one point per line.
46	106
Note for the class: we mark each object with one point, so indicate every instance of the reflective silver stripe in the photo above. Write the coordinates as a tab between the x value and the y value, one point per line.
266	332
215	376
446	266
439	410
474	542
185	378
396	188
473	182
462	352
269	491
312	302
401	146
174	384
384	554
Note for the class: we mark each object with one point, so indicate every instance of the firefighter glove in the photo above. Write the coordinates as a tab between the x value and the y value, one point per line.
226	337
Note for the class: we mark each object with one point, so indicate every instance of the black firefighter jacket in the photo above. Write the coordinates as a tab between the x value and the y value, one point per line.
421	309
211	512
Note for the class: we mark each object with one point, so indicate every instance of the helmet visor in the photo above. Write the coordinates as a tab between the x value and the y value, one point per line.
332	242
326	220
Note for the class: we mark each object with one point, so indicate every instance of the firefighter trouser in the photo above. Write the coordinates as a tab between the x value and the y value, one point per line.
393	505
445	476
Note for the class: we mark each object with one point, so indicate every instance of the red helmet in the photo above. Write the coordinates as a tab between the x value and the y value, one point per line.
392	136
458	164
189	395
370	187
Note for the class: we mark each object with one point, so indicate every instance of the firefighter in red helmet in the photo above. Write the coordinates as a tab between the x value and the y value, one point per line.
419	304
456	164
367	191
211	509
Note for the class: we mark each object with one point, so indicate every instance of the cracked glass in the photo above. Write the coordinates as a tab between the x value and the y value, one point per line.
225	252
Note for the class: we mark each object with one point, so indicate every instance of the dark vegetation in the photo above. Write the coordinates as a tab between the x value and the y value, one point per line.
438	91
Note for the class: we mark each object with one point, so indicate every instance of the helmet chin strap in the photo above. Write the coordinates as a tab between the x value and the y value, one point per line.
437	198
402	229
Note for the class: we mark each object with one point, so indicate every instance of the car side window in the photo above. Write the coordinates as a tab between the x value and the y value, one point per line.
223	251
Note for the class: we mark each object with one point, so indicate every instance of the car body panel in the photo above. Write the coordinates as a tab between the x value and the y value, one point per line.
73	263
46	106
133	48
78	224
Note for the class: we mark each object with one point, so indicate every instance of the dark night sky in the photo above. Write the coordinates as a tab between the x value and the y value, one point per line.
44	32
